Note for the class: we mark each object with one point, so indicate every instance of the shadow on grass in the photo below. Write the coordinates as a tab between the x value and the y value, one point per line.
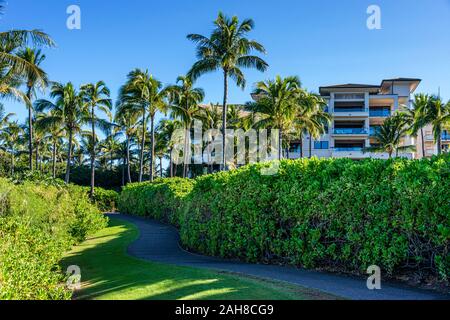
109	273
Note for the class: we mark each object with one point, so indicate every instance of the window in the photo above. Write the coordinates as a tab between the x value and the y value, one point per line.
320	145
295	148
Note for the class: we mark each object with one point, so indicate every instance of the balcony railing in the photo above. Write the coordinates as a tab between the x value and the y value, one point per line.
380	113
350	110
348	149
350	131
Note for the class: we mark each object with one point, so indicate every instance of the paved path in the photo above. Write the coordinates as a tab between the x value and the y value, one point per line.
160	242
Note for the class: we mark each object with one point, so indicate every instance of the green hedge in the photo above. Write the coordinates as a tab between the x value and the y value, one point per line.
38	224
334	214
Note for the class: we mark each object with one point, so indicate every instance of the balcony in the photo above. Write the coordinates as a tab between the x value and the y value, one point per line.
350	112
340	149
379	113
350	131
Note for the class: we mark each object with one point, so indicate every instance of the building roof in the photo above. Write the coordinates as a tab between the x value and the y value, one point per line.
327	89
384	87
386	84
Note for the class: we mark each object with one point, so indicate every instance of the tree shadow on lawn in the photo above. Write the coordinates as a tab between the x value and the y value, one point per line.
107	272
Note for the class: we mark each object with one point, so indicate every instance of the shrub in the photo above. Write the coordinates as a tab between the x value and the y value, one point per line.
334	214
38	223
161	199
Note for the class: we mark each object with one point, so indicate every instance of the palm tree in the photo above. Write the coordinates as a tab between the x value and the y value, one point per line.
184	100
4	117
166	129
142	93
390	135
34	57
14	67
276	104
67	111
312	117
55	134
438	115
96	97
417	116
227	49
127	120
10	136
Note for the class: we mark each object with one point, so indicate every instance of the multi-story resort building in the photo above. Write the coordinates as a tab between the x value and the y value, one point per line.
357	112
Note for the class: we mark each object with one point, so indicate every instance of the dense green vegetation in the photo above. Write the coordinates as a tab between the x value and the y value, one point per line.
39	222
334	214
103	259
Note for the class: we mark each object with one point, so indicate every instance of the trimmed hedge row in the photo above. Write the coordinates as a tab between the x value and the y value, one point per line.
38	224
334	214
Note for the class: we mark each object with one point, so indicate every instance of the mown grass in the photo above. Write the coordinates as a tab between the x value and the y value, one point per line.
109	273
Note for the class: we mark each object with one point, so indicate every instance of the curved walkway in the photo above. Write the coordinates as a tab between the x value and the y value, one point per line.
160	243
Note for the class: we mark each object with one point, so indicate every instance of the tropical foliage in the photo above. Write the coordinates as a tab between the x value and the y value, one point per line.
332	214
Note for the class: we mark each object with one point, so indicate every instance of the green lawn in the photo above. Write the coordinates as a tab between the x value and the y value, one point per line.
109	273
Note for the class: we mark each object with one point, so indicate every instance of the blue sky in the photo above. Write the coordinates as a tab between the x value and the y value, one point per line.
322	41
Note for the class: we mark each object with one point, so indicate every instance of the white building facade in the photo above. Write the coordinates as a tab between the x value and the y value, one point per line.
357	111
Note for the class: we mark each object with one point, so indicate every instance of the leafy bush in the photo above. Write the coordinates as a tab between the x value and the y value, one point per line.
334	214
38	223
161	199
106	200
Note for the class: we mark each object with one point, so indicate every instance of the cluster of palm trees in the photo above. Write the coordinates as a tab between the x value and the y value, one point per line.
65	127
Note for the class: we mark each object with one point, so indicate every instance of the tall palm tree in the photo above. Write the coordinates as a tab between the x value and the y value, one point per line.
166	129
211	117
438	115
417	116
13	67
227	49
142	93
68	111
127	120
276	104
55	134
32	81
184	100
390	135
96	97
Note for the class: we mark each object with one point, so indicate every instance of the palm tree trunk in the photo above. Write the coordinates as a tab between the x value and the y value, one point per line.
37	156
92	153
54	160
12	161
123	170
439	143
310	146
423	142
224	118
128	159
141	157
152	151
170	163
69	156
185	150
160	167
301	146
280	144
30	128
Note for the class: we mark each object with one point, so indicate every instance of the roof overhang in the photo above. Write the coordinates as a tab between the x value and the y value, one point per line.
412	82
